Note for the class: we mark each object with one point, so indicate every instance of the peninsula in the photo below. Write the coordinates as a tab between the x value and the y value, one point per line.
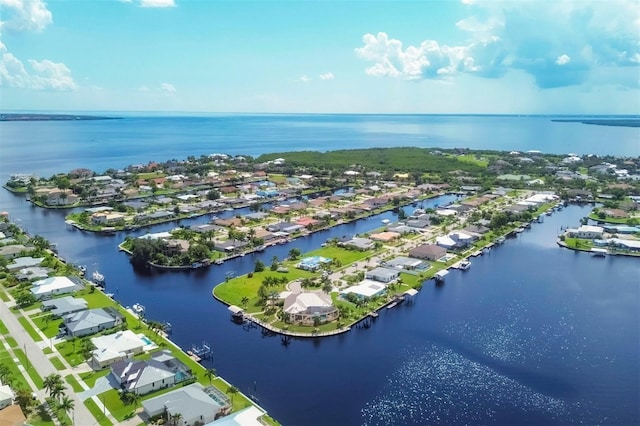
50	117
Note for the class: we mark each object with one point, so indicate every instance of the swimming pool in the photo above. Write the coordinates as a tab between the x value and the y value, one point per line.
146	340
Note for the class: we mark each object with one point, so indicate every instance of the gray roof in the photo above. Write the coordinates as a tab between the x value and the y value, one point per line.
382	272
135	374
192	399
11	250
87	319
24	262
65	305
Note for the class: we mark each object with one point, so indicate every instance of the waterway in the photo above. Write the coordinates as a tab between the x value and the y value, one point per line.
531	334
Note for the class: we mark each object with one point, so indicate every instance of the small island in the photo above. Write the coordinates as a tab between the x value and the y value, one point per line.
51	117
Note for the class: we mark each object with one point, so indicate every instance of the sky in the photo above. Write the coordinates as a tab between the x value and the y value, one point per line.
366	56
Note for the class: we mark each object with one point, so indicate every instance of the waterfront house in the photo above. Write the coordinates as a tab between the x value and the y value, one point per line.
383	275
308	308
91	321
196	404
361	244
401	262
52	286
64	305
455	240
588	232
24	262
287	227
13	251
163	370
365	289
230	246
427	251
33	273
630	245
116	347
59	197
385	237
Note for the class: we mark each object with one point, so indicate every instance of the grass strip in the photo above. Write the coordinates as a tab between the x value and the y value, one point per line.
74	383
97	413
31	370
3	328
57	363
32	332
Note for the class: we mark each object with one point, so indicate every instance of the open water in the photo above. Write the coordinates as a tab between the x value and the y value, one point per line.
531	334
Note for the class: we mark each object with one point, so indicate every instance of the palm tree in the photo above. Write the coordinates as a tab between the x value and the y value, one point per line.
51	383
175	418
244	301
67	404
58	392
232	390
5	373
210	374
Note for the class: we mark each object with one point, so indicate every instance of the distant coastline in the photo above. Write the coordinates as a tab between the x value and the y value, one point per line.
620	122
52	117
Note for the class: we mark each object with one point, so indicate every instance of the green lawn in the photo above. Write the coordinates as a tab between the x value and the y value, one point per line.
150	175
18	380
345	256
74	383
73	357
27	326
47	350
235	289
97	413
116	407
90	377
11	342
97	299
47	324
35	377
472	159
3	328
57	363
4	296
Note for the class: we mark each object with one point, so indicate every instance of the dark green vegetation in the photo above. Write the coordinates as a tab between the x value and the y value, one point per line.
624	122
409	160
50	117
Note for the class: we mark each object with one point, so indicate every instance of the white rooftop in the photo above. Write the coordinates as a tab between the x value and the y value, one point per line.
366	288
113	345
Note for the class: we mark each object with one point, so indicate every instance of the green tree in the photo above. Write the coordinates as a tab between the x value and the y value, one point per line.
210	374
66	404
294	253
25	400
259	266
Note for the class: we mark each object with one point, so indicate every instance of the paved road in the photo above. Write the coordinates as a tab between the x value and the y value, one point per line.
41	363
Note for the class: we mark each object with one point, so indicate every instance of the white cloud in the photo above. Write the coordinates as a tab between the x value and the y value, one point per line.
24	15
559	44
44	75
167	88
303	78
157	3
327	76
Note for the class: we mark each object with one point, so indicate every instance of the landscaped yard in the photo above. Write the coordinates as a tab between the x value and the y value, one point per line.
90	377
47	324
70	353
74	383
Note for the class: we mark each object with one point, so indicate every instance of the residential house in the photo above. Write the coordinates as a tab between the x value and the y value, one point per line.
64	305
195	403
91	321
427	251
309	308
361	244
385	237
24	262
115	347
383	275
455	240
365	289
13	251
52	286
588	232
143	376
6	396
58	197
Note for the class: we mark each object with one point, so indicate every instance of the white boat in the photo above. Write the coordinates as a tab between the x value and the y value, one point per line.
385	221
138	308
465	264
500	240
97	278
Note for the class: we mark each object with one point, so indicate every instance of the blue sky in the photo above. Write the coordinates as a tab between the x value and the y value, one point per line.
469	56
